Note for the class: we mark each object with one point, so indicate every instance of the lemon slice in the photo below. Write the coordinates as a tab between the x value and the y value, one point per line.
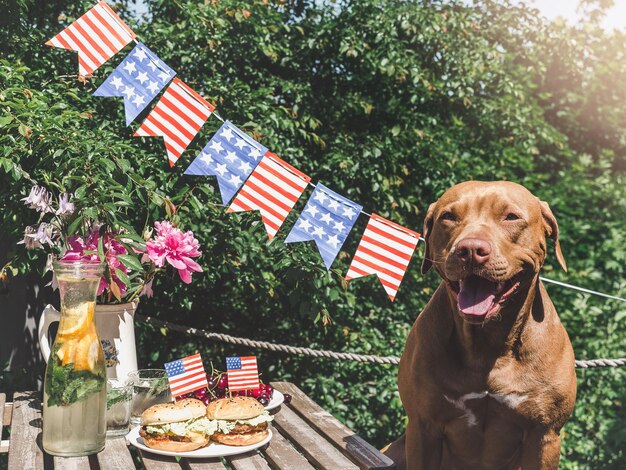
87	353
76	320
66	352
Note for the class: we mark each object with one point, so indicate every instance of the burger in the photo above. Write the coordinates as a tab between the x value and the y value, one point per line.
181	426
240	421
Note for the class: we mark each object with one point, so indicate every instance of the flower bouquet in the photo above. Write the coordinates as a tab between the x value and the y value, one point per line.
132	259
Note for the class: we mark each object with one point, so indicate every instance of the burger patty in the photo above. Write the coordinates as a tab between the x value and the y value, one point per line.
246	428
163	437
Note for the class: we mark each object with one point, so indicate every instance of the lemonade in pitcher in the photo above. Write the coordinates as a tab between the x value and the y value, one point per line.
74	406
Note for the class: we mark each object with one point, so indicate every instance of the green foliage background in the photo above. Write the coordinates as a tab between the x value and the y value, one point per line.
387	102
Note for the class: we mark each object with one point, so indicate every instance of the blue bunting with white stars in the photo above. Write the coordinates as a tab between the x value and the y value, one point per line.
139	78
327	219
231	155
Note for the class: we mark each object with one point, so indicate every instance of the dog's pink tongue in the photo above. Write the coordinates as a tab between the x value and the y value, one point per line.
476	296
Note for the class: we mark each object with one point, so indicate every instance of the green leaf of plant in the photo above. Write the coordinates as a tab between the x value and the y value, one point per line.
130	262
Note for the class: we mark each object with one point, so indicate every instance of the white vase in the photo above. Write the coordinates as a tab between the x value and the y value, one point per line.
116	330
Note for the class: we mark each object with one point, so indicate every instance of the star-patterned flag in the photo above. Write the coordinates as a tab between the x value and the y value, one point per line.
186	375
385	250
97	36
273	189
178	116
242	373
139	78
327	218
231	155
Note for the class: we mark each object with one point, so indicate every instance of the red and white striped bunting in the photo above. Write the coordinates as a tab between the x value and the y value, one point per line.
97	36
385	250
273	189
178	116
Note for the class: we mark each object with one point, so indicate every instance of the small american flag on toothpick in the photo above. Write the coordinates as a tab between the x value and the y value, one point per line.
243	373
186	375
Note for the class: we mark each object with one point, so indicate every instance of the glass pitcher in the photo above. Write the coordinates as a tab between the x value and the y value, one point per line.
74	399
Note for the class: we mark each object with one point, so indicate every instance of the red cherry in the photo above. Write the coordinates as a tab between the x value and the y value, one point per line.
287	398
212	381
257	392
223	382
263	401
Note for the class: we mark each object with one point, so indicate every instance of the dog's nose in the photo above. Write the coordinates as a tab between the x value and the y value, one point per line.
473	250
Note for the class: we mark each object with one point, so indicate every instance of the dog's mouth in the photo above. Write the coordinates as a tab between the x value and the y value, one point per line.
478	297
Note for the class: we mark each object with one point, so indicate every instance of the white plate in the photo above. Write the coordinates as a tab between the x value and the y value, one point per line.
212	450
277	399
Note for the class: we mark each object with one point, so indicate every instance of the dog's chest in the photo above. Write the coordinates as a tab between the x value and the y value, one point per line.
476	409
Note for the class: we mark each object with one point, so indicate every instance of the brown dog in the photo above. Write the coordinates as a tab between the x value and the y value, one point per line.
487	376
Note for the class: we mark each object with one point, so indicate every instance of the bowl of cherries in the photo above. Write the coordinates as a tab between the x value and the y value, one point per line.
218	388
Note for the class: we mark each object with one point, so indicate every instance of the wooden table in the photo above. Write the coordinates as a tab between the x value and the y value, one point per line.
305	437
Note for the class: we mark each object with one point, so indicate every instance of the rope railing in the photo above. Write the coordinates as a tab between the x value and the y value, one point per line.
340	356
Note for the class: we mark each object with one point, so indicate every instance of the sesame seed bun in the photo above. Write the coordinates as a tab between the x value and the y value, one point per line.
234	408
181	410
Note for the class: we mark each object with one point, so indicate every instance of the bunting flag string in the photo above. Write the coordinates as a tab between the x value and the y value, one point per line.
230	155
177	117
139	78
97	36
385	249
273	188
259	178
327	219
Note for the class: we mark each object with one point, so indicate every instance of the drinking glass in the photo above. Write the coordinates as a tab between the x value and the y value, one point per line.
119	397
150	386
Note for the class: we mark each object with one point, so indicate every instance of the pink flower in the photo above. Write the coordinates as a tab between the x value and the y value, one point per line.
88	250
175	247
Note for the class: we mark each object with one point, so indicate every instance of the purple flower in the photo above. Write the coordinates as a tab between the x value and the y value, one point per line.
44	235
38	199
29	240
66	206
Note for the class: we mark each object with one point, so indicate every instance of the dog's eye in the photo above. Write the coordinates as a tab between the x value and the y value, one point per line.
448	216
512	216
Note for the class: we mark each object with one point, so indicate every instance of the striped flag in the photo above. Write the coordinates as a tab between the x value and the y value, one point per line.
273	189
242	373
178	116
186	375
385	250
97	36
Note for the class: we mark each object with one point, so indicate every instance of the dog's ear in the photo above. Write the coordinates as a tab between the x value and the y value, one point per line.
553	232
428	226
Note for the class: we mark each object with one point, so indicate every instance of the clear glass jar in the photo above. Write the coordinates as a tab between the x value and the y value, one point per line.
75	395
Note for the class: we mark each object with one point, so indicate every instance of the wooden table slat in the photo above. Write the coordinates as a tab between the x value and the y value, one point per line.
283	456
3	398
73	463
116	455
158	462
24	446
204	464
315	447
355	447
8	412
249	461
